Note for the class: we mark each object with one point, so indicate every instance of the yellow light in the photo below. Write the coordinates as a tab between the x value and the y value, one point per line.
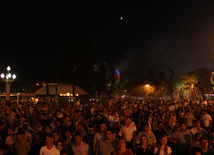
147	85
68	94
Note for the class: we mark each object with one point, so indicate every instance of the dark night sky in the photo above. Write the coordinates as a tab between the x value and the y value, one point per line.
151	35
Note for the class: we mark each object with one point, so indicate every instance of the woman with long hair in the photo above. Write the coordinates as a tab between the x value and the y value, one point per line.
143	148
162	148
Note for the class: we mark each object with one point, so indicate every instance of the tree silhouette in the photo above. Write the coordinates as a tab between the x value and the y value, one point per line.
79	63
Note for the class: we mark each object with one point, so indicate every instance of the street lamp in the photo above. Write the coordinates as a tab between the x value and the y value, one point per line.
8	78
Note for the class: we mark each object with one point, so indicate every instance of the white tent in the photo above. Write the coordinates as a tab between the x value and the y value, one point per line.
61	89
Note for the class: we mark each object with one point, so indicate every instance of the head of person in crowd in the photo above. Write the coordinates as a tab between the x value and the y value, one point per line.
91	118
80	127
99	116
10	131
187	112
145	127
163	140
48	129
66	119
50	140
103	127
204	111
160	125
197	136
20	135
197	123
79	113
58	121
204	142
60	145
182	126
68	133
39	124
121	144
38	137
78	138
109	134
143	140
56	135
127	121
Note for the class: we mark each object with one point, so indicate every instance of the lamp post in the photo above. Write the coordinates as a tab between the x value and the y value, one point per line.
8	78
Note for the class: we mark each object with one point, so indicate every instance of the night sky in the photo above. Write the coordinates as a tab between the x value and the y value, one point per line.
150	35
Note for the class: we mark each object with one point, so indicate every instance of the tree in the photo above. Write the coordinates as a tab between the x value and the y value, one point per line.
79	63
170	82
191	80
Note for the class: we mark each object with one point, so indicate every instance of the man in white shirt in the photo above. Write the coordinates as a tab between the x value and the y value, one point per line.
50	148
206	120
128	131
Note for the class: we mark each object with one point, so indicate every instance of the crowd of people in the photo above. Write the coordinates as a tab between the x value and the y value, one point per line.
118	127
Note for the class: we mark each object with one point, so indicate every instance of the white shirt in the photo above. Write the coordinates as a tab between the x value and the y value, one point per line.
127	132
53	151
169	151
205	120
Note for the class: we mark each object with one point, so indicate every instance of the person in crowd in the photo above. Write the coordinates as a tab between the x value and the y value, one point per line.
80	147
11	138
63	150
188	119
162	148
22	146
106	146
91	129
128	131
37	144
205	146
197	128
50	148
68	138
149	134
195	141
182	138
143	148
28	136
57	136
80	129
206	120
99	135
159	131
121	145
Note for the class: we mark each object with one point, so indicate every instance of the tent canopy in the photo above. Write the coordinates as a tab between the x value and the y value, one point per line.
61	89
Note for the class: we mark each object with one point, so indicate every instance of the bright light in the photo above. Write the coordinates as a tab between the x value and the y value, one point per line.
77	94
68	94
147	85
14	76
8	68
2	75
9	75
